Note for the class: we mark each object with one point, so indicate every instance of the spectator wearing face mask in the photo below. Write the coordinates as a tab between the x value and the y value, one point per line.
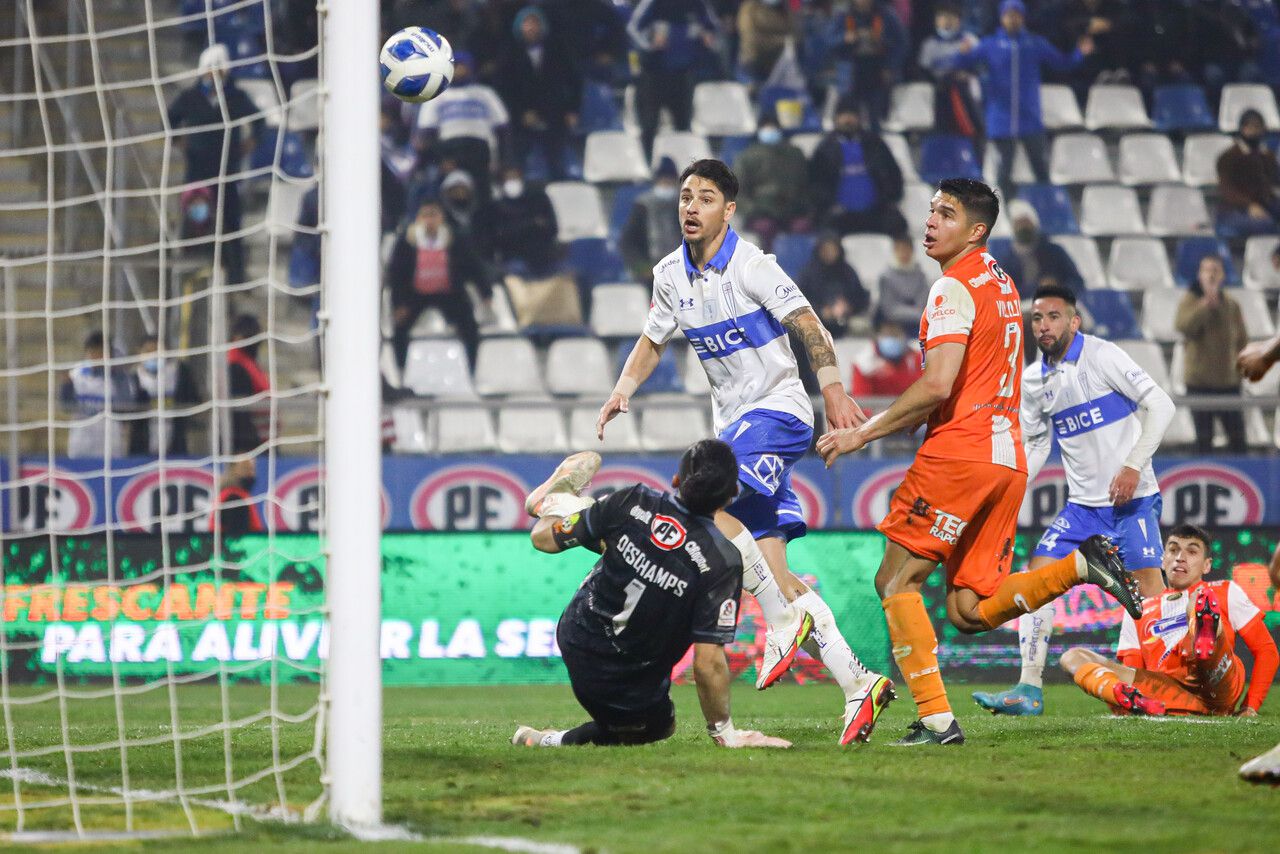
1248	182
956	93
464	211
1033	258
903	285
833	287
854	181
653	225
773	175
166	385
466	125
888	369
234	513
524	227
1212	327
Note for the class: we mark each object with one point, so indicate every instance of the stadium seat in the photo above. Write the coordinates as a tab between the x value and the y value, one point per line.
732	146
1177	209
901	151
1147	158
1181	108
850	351
1259	271
1256	433
722	108
809	142
620	436
1059	108
411	433
624	197
1022	173
531	430
914	206
1238	97
681	146
1108	210
1200	153
294	160
579	366
793	252
283	204
665	378
614	156
793	108
869	255
1053	206
1138	263
1257	317
600	111
593	262
438	368
619	310
578	209
1112	314
1159	314
464	429
695	376
302	110
1189	251
1084	252
1115	107
1150	358
910	108
1079	158
508	366
265	96
667	427
947	156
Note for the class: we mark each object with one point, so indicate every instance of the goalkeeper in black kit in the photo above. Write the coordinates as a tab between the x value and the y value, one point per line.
669	576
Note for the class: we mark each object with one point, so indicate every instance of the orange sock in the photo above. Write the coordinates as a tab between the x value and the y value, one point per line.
1024	592
1099	681
915	647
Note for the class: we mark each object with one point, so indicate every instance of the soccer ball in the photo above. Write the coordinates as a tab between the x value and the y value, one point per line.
417	64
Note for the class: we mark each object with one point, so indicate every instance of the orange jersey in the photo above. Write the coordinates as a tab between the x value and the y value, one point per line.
976	304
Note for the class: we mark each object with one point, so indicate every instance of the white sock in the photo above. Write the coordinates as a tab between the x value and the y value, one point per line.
757	579
834	651
553	738
938	722
1034	630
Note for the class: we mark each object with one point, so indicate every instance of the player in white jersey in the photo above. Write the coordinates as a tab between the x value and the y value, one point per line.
1108	416
735	306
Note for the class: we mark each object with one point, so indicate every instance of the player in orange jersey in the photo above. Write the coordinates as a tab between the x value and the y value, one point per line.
958	504
1179	657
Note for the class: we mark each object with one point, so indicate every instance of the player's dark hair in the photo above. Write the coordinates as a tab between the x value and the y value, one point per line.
708	476
1187	531
717	173
979	200
1055	292
95	340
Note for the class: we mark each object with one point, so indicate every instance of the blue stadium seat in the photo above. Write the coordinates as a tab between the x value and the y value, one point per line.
599	109
1181	108
810	121
732	146
624	196
1053	206
1189	252
947	156
1000	248
1112	314
593	262
293	154
665	378
793	252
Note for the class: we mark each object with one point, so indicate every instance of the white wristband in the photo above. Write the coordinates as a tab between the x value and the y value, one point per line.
625	386
827	375
722	732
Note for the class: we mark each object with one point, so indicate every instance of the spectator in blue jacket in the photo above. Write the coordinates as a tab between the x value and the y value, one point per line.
1013	58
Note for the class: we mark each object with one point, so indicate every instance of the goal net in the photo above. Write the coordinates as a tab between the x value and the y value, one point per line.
163	512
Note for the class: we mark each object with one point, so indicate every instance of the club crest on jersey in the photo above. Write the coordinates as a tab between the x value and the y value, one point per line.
666	533
728	614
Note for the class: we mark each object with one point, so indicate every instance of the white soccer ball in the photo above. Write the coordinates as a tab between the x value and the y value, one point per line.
417	64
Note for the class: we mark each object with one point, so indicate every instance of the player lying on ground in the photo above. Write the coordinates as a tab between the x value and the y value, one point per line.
667	578
1108	416
958	504
1179	657
735	305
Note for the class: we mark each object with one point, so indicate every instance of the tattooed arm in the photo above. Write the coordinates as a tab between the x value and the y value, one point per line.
842	411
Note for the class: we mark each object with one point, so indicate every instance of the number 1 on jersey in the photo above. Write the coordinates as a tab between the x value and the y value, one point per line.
635	589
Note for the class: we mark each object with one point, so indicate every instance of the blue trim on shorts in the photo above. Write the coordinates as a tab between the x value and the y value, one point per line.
768	444
1134	527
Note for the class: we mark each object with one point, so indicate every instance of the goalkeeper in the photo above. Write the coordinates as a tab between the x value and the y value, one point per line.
669	575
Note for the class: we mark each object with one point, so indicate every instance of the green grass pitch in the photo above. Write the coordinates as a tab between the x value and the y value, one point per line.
1073	780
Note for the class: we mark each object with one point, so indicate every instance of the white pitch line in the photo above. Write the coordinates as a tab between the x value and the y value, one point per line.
1172	720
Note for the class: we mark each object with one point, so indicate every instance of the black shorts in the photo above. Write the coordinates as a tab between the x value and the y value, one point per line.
635	707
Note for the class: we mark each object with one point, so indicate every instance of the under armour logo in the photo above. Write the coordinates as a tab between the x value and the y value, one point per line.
686	304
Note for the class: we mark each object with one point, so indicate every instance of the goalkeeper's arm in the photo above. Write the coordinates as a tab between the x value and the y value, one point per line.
711	670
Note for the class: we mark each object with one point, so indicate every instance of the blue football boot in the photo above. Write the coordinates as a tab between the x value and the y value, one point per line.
1021	699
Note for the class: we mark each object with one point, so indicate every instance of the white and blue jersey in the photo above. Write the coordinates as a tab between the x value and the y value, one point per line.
731	312
1089	403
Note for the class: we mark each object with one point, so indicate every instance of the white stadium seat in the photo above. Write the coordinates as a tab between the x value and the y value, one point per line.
914	206
1259	273
464	429
531	430
438	368
682	147
665	427
1139	264
869	255
1255	426
1238	97
302	111
1177	210
910	108
1115	107
1080	158
1159	314
1148	158
579	366
614	156
850	352
809	142
508	366
283	204
619	311
411	433
1022	173
579	212
265	97
1059	108
901	151
620	436
1150	358
1200	153
1257	317
1084	253
1108	210
723	108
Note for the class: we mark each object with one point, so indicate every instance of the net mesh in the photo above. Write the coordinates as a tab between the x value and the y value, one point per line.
154	676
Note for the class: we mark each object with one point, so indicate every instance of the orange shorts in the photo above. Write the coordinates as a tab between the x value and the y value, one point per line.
1212	687
962	514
